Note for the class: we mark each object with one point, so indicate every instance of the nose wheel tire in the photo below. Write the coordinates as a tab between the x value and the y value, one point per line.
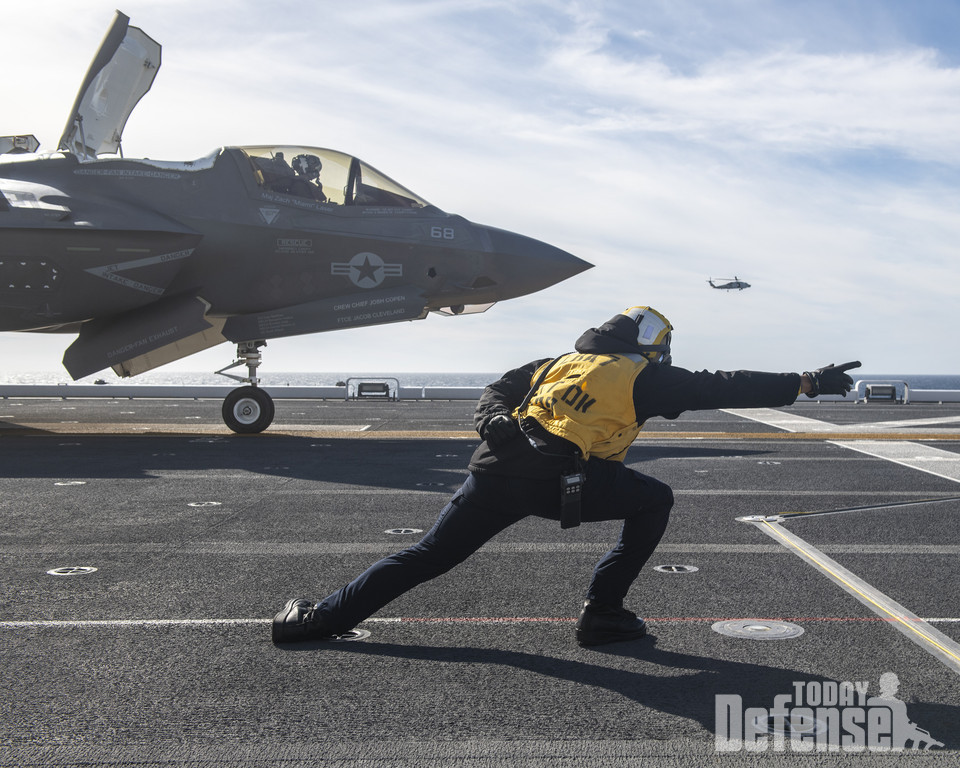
248	410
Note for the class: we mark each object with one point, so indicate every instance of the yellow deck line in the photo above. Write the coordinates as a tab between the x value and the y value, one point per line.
905	620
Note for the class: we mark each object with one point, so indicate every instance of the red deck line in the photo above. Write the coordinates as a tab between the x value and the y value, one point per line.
664	619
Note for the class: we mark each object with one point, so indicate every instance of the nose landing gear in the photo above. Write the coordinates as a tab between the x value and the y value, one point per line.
249	409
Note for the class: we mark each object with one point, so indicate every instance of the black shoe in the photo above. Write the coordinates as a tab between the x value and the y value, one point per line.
600	624
297	622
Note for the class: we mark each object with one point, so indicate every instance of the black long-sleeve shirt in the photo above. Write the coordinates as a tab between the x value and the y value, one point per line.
659	390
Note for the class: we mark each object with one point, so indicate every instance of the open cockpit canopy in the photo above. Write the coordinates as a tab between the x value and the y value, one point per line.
327	176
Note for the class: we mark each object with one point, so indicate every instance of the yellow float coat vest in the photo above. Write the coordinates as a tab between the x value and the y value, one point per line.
588	400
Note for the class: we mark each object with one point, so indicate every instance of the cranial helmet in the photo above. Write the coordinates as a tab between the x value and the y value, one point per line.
306	165
653	333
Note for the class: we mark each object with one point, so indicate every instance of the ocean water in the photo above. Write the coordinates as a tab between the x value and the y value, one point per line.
267	378
416	379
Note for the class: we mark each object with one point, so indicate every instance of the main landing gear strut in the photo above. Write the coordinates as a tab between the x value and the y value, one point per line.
249	409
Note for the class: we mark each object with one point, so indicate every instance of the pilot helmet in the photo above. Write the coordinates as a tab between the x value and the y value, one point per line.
306	165
653	333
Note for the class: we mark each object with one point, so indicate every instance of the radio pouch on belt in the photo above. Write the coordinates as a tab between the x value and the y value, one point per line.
571	490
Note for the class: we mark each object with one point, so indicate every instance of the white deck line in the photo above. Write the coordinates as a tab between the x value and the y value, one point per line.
925	458
790	422
773	417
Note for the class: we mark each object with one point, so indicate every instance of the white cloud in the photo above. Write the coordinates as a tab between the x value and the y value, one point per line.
784	100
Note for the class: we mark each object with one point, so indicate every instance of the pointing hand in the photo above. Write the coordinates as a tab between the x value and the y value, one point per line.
831	379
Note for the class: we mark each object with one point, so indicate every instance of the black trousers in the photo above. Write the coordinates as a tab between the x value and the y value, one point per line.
487	504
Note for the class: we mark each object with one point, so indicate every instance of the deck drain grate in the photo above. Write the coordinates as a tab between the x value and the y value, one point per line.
72	570
676	568
758	629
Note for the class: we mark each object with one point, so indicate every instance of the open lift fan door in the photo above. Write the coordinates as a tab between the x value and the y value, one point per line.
120	74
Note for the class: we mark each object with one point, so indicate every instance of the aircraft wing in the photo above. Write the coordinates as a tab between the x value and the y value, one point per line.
159	333
120	74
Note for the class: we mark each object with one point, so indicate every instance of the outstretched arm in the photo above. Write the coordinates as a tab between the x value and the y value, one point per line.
670	390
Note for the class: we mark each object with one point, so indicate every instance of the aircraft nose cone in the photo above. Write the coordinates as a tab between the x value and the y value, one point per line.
529	265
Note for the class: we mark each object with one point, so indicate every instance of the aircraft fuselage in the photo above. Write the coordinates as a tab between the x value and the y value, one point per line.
87	239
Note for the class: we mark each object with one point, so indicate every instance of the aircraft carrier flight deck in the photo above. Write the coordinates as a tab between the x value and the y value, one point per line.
810	561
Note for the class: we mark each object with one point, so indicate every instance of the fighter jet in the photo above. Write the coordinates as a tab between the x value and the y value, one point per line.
150	261
729	285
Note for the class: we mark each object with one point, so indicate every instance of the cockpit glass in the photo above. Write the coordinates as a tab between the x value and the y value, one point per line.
327	176
370	187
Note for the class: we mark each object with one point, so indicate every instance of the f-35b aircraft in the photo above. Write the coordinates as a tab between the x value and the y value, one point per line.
149	261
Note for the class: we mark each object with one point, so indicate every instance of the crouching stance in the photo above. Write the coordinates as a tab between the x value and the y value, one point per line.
554	435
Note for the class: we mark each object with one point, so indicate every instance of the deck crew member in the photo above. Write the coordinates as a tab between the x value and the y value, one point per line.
555	433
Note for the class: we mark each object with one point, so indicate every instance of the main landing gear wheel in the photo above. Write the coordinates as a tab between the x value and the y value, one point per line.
248	410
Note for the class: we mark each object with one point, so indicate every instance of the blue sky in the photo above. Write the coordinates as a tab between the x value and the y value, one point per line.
811	148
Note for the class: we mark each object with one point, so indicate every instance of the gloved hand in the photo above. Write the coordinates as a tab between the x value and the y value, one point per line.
831	380
500	429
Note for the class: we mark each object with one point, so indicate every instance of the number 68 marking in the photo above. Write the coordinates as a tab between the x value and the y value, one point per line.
442	233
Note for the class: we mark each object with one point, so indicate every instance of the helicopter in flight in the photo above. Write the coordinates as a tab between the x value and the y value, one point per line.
726	284
147	261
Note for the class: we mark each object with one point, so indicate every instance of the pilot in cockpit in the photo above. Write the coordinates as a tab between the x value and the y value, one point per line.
307	181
